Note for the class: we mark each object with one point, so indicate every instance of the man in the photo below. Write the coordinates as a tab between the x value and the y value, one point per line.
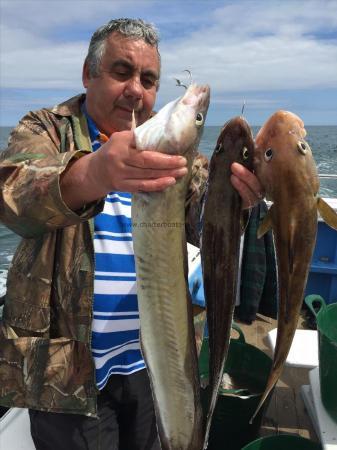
69	340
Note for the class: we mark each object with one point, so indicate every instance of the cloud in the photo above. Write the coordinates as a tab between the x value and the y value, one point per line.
239	48
249	45
257	46
239	100
43	45
57	66
44	16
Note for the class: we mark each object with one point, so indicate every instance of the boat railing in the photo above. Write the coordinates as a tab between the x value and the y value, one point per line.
331	176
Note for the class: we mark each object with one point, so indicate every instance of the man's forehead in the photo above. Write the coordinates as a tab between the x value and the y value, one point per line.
119	47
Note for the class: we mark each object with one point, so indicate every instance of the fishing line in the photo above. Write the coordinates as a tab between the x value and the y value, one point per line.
179	83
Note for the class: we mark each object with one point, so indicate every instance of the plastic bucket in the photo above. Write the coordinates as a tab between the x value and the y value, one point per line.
283	442
326	317
248	368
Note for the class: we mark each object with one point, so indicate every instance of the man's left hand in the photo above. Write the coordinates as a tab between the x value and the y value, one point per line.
247	185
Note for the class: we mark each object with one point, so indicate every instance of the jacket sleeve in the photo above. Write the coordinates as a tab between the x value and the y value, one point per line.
30	169
194	199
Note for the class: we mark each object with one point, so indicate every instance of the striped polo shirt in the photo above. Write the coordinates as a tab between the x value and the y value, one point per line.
115	327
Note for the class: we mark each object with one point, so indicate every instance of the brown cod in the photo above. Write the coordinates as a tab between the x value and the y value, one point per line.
285	166
222	226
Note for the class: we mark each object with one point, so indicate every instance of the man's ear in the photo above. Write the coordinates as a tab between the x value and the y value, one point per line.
85	74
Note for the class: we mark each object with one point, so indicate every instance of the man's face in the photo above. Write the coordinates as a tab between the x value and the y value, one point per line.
127	81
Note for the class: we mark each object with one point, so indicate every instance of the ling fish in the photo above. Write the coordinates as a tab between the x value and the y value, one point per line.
222	226
165	309
285	166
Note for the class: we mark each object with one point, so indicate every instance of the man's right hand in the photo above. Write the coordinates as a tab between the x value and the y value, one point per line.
124	168
118	166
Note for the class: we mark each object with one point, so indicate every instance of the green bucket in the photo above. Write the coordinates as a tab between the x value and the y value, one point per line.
283	442
326	317
248	369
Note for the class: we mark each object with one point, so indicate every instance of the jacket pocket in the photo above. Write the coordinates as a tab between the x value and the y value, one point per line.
27	304
26	318
47	374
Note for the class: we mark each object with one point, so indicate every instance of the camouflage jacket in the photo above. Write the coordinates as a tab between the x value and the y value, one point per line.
45	333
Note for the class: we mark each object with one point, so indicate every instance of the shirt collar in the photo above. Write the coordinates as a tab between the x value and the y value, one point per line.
94	132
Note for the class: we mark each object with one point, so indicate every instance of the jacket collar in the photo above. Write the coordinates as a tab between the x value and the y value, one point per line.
69	107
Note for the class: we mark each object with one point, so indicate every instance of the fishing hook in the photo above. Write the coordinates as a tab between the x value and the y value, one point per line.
179	83
191	80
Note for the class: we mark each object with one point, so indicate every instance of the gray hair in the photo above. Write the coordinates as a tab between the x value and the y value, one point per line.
130	28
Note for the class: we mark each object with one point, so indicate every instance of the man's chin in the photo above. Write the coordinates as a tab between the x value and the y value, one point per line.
120	125
123	123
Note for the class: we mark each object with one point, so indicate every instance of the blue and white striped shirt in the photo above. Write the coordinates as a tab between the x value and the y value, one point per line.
115	327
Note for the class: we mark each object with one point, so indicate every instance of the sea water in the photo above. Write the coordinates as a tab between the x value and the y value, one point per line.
322	140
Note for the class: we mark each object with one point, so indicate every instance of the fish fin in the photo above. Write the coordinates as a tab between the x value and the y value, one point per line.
266	224
259	406
328	214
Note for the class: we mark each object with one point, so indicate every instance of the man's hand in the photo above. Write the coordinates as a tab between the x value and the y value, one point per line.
119	166
247	185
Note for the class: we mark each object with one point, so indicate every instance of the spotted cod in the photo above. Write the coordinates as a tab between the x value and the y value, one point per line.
285	166
166	323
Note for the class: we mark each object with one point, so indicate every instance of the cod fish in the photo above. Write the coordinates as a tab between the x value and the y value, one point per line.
220	245
286	169
165	308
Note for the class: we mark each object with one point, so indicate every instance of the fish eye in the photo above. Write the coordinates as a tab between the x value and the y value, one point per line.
218	147
302	147
245	153
199	119
268	154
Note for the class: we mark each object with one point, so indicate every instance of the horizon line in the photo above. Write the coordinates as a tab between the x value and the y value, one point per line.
221	125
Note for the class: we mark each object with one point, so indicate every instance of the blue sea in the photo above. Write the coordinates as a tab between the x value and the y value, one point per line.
322	140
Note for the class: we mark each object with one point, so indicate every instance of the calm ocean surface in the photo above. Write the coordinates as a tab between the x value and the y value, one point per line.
322	140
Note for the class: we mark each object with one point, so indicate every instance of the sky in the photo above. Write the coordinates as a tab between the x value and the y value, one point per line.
268	54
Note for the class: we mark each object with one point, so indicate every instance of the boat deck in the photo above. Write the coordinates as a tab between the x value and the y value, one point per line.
286	412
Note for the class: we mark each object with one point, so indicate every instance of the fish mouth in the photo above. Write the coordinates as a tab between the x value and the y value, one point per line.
235	128
238	121
197	94
199	89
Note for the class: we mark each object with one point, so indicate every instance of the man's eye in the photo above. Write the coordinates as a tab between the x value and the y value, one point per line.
148	83
120	73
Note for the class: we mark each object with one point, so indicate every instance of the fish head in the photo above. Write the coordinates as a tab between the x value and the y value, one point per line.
178	126
282	155
235	143
186	122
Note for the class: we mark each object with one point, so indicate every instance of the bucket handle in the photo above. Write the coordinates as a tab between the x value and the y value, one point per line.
241	337
310	300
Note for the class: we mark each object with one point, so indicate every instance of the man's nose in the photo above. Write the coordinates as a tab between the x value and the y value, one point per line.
134	87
